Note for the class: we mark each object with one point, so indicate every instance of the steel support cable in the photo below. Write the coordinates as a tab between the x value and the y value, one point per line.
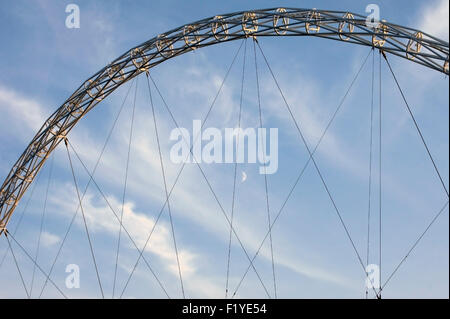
42	222
125	187
416	125
84	220
314	163
34	262
87	185
181	170
235	172
214	194
21	217
370	166
379	173
304	168
118	219
17	265
265	173
165	189
414	245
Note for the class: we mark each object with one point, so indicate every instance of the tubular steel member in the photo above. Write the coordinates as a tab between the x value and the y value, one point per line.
413	45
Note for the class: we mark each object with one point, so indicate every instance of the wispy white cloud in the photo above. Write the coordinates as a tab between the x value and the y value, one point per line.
101	219
49	239
21	114
435	19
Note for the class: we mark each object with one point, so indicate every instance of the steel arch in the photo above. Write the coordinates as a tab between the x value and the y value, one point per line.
408	43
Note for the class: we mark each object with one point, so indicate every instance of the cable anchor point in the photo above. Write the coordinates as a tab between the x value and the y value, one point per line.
3	229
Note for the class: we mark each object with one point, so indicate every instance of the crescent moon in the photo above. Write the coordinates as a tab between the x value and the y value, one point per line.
244	177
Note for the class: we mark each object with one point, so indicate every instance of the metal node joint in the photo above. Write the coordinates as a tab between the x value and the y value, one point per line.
249	23
3	229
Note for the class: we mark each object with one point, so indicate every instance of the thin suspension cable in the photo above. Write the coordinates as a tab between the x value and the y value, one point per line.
415	244
88	184
379	172
117	217
235	172
213	192
269	223
17	265
304	167
125	187
315	164
57	254
84	219
416	125
21	215
37	265
370	166
42	222
165	189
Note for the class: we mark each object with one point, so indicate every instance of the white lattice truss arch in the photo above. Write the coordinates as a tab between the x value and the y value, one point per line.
414	45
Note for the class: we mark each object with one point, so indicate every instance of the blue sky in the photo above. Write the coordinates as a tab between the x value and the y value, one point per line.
42	63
